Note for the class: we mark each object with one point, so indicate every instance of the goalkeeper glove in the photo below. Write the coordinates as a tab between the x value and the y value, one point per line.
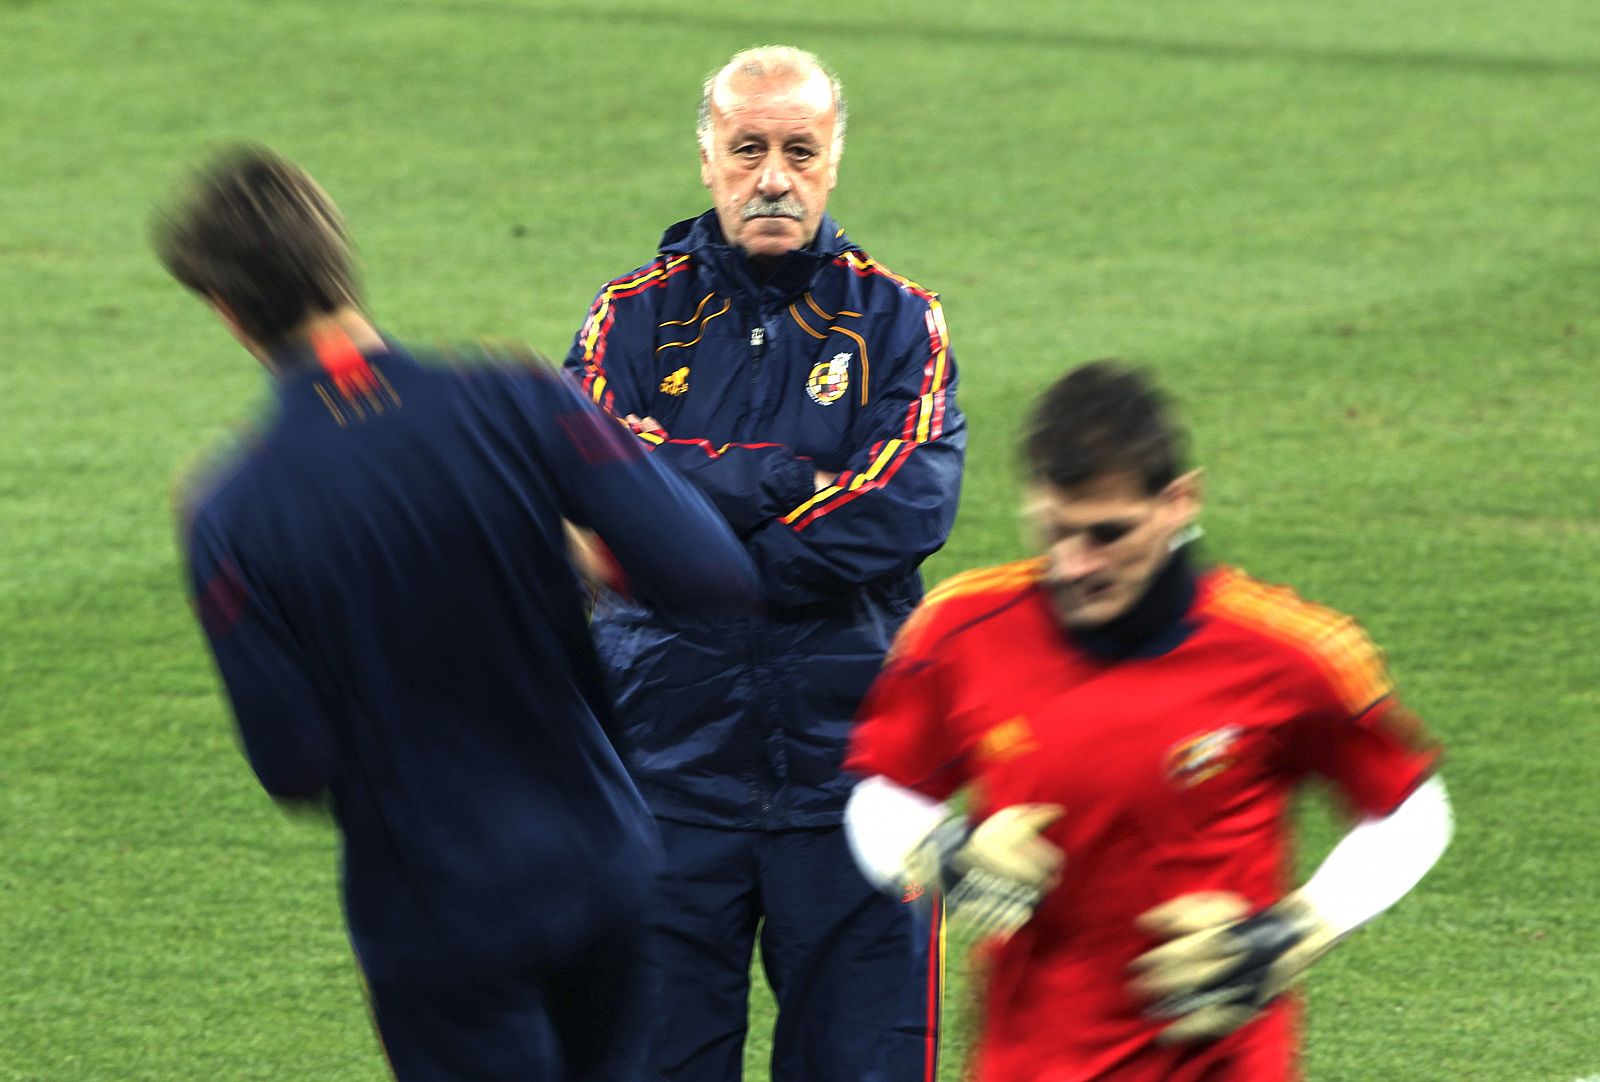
1221	965
994	875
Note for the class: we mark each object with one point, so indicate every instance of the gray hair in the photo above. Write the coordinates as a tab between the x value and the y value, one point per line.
773	60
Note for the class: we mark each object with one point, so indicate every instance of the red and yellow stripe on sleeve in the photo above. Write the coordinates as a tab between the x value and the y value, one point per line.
597	328
1352	665
924	419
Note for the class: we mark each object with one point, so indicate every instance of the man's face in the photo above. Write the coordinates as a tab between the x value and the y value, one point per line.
769	165
1105	540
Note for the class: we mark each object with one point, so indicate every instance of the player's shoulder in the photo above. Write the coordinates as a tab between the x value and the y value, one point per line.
882	285
665	268
984	584
972	599
900	314
1270	608
492	357
1328	640
205	490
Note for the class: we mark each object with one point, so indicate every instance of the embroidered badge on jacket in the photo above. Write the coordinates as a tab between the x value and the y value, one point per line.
829	380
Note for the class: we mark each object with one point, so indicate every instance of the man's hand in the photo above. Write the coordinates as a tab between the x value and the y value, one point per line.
823	479
590	558
1220	965
994	875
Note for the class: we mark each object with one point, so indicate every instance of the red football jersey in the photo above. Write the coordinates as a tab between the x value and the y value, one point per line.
1176	773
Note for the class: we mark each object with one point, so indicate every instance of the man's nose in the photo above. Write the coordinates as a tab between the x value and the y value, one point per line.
1076	557
775	182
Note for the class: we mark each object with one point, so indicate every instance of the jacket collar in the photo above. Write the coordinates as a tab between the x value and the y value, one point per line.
297	362
702	238
1156	624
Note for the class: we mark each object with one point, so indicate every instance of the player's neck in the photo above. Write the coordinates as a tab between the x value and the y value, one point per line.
288	354
1155	623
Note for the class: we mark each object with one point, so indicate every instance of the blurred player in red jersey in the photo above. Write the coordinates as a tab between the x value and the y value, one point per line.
1129	730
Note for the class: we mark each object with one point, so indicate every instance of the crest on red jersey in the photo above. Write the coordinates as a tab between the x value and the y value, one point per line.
1195	759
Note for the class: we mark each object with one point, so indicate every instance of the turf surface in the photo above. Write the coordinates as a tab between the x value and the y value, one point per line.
1356	240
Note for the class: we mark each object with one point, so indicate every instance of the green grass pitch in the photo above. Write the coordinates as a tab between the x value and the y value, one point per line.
1357	240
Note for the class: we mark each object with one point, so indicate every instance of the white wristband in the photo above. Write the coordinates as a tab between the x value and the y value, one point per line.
883	822
1380	860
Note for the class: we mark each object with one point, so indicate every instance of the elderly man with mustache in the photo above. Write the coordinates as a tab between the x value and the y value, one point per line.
809	392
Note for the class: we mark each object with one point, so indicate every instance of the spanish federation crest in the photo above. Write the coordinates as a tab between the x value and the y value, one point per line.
829	380
1199	758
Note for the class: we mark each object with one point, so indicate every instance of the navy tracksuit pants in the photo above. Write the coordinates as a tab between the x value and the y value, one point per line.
570	1009
856	973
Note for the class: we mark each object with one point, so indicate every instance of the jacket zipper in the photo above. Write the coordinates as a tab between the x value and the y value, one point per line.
758	346
764	796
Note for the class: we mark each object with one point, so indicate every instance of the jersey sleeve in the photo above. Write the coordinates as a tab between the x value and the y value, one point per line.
894	502
748	484
1355	734
903	731
286	737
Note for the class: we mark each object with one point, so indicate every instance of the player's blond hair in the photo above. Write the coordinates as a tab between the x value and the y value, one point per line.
764	61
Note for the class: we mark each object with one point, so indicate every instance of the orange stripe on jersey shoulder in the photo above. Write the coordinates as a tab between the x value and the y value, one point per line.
1333	641
1000	579
964	598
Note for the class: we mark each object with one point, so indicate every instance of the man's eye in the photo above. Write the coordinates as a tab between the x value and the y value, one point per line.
802	154
1108	533
748	150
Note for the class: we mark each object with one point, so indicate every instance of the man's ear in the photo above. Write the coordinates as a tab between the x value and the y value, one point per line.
1187	496
705	167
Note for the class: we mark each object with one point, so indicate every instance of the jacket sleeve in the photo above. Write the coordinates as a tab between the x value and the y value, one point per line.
749	484
895	501
611	359
673	548
287	740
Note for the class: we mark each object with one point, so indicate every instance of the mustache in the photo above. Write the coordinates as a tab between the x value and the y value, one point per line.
786	207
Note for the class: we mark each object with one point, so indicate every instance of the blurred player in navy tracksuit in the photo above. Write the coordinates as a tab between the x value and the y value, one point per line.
383	579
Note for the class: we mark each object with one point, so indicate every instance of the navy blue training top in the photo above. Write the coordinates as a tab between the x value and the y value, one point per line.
383	580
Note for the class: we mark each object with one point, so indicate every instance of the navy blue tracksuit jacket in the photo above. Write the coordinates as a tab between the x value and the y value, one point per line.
832	363
384	583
